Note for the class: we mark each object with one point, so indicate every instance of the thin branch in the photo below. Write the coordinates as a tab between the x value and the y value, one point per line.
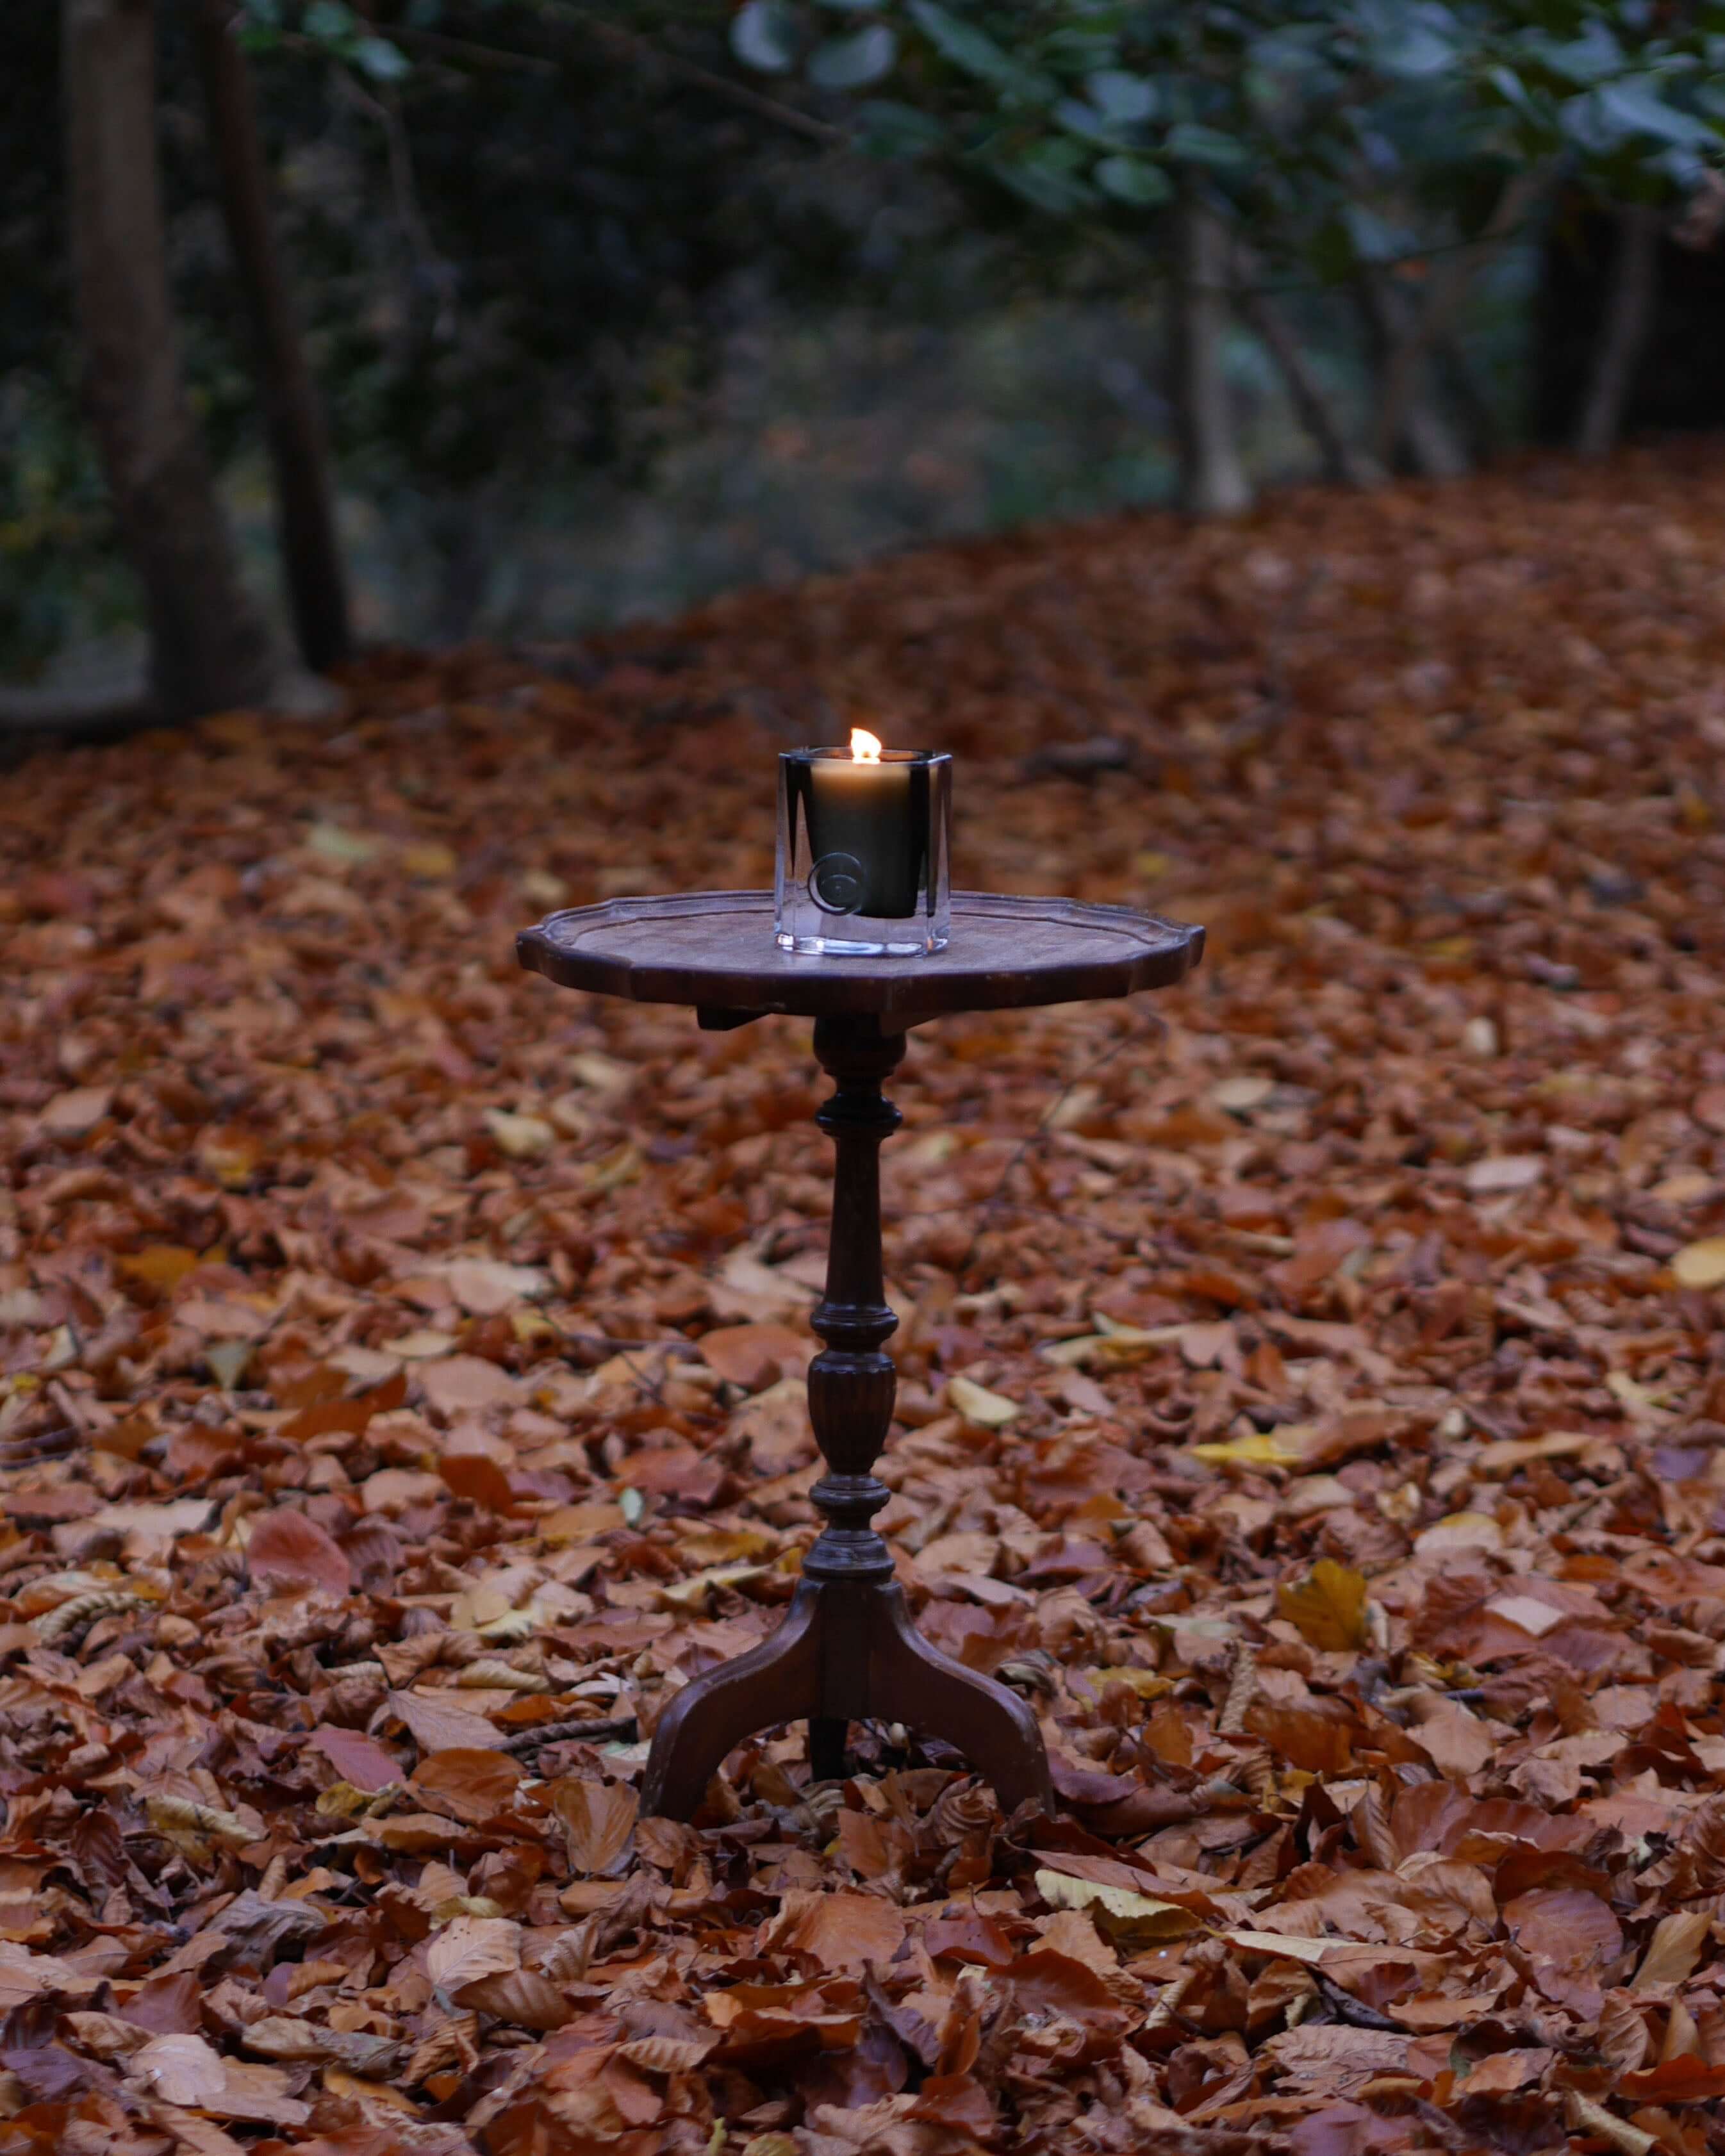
1449	288
435	270
490	59
628	44
1343	460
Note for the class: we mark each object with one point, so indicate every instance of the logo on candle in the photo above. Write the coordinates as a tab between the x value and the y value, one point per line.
837	882
864	746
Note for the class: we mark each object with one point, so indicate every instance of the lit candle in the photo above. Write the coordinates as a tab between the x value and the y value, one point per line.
867	843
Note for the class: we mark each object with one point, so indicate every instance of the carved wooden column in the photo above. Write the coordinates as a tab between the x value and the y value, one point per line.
852	1381
848	1649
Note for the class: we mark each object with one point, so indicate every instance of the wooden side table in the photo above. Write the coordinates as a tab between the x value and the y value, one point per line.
847	1648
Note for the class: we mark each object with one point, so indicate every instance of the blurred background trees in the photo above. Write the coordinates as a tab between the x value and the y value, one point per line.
507	317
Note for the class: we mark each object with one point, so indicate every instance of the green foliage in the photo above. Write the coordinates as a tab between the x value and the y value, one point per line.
1296	111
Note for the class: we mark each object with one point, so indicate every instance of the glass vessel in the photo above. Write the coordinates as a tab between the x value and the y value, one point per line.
865	846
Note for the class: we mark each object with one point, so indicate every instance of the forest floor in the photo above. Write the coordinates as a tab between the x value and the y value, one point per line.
1313	1391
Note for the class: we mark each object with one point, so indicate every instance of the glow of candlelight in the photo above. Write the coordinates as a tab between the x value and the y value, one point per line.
864	746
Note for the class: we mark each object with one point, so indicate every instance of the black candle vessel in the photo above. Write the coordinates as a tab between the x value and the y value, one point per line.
864	851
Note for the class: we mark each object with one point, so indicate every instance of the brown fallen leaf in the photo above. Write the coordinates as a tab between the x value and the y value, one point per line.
598	1820
436	1725
471	1948
527	1998
1674	1949
474	1785
837	1931
357	1758
758	1355
285	1548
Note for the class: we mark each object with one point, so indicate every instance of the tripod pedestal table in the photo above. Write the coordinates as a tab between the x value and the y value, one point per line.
847	1649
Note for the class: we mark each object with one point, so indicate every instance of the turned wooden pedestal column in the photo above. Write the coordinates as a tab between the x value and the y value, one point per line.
847	1650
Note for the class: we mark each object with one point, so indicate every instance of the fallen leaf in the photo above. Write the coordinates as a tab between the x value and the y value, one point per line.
1327	1607
182	2070
1133	1920
1458	1534
1505	1171
976	1404
521	1137
438	1725
76	1113
474	1784
757	1355
525	1996
1260	1449
598	1818
286	1548
486	1285
1701	1265
836	1930
471	1948
1502	2073
1674	1949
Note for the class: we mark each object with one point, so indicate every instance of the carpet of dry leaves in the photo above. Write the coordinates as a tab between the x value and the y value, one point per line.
1313	1391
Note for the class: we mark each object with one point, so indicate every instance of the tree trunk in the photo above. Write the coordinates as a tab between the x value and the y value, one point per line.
1345	463
1629	317
209	648
298	444
1212	481
1424	435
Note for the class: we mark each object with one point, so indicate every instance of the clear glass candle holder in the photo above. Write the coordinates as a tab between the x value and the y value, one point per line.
865	853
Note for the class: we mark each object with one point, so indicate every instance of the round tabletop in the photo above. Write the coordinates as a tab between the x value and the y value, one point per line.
715	950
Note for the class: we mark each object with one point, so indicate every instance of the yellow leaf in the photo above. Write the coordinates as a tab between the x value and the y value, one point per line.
190	1826
692	1593
1112	1345
1701	1265
1327	1607
336	845
705	1544
1504	1455
544	888
429	860
161	1265
422	1345
341	1801
227	1154
614	1169
1260	1449
604	1074
522	1138
1146	1683
1457	1531
976	1404
1120	1914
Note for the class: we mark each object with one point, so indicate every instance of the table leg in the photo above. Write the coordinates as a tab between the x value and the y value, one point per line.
828	1736
848	1648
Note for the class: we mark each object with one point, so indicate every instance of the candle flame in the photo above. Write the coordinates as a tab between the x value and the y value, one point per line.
864	746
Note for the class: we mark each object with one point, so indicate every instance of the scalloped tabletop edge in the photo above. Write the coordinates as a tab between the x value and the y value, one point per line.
743	971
